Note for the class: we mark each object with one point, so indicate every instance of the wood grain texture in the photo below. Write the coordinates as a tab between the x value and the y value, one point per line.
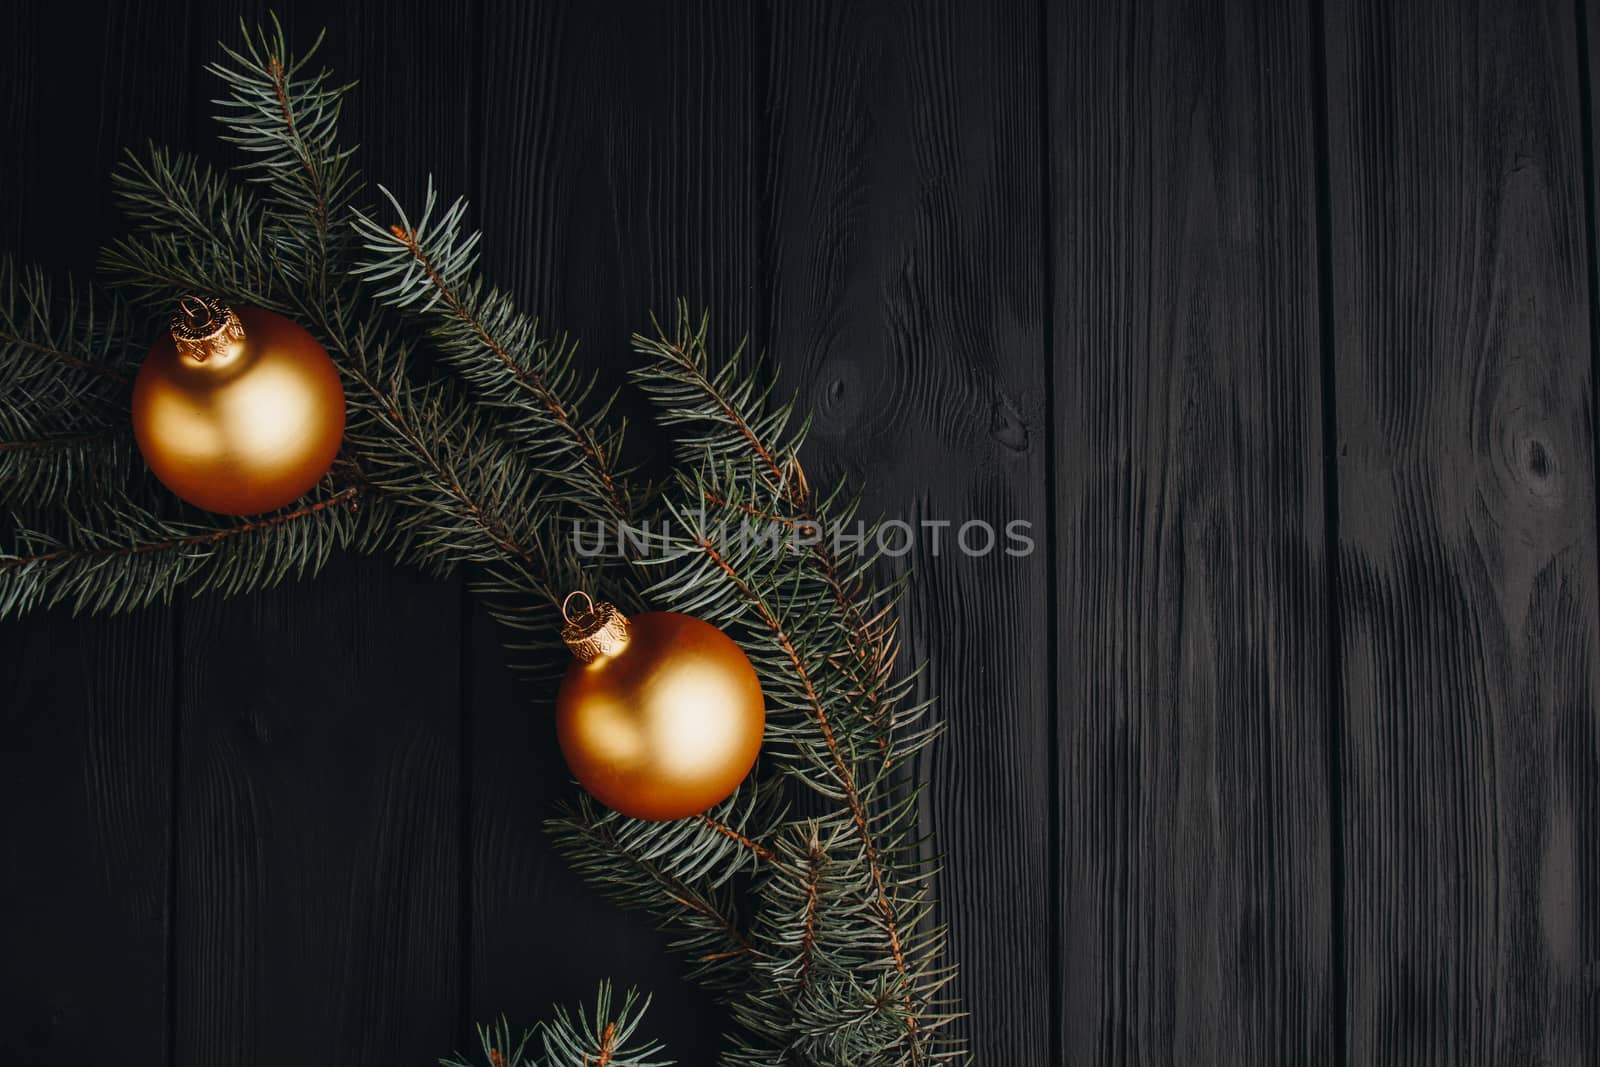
906	309
1467	539
86	706
1192	666
321	796
1022	260
319	824
85	777
619	163
79	88
617	173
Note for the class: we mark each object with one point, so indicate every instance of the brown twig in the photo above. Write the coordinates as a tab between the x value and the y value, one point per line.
808	941
281	89
688	898
345	497
749	509
729	832
608	1043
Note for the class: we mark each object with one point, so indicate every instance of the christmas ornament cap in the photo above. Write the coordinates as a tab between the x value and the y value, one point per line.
595	631
203	327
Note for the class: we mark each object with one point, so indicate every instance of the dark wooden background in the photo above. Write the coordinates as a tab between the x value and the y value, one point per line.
1275	319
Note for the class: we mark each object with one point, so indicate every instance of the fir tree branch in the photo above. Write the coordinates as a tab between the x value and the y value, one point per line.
843	772
528	380
761	851
129	557
65	360
426	269
461	492
65	366
691	394
9	339
680	378
605	1037
77	467
280	92
598	844
872	645
286	121
808	921
343	498
494	528
193	225
842	1018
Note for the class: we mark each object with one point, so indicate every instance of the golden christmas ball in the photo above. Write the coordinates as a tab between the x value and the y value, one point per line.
660	715
237	411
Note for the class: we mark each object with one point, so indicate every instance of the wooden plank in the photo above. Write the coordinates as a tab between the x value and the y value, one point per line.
85	705
1195	852
319	824
85	781
619	167
69	121
619	152
320	857
907	310
1467	532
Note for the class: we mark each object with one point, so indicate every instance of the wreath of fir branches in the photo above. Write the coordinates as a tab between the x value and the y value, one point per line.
814	929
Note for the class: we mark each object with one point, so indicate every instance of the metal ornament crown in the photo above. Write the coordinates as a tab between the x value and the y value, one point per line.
204	327
601	630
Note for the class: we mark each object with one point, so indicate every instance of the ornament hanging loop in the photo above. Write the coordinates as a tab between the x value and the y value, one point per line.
587	599
197	314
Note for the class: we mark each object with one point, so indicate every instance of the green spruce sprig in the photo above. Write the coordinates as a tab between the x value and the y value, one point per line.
65	370
531	381
608	1036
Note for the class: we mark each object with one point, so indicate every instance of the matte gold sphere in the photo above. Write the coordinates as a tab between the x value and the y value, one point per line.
239	412
664	719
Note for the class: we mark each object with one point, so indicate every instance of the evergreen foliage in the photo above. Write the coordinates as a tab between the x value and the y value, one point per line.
803	900
606	1038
